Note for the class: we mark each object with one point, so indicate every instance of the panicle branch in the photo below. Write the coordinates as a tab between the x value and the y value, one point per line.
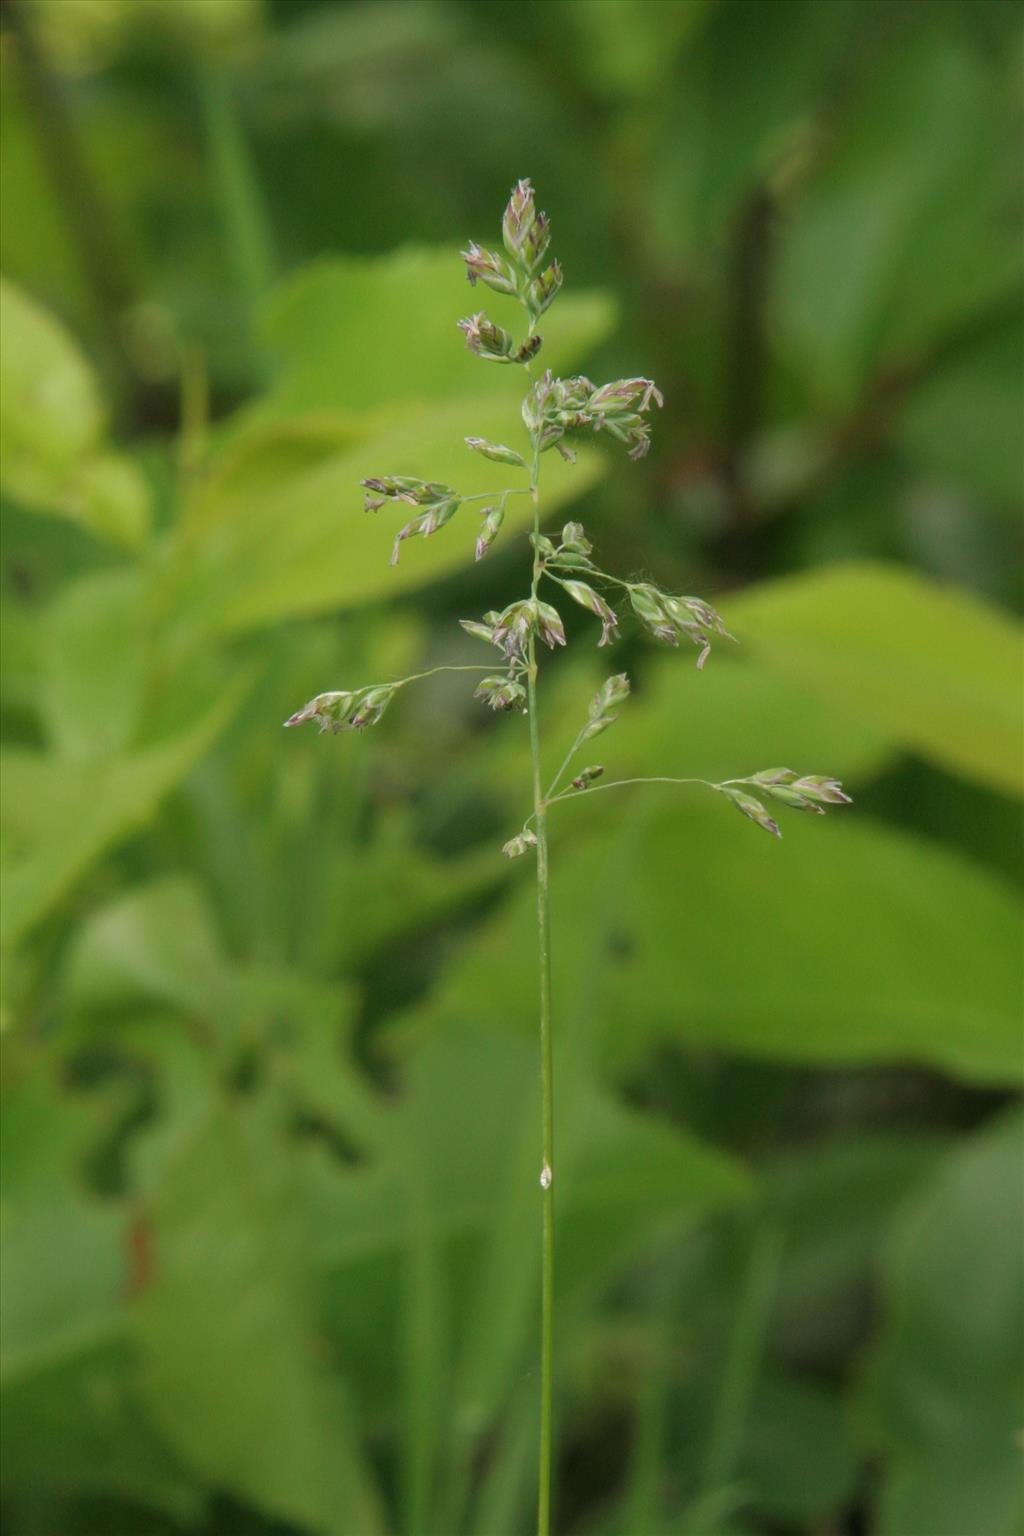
556	413
346	711
668	619
814	792
555	408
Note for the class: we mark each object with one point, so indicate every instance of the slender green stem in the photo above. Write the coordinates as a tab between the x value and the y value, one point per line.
595	789
547	1066
590	571
579	741
418	677
250	244
643	1501
742	1364
514	490
566	760
93	236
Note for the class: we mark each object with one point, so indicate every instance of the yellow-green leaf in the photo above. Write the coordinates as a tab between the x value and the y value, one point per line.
936	668
285	538
59	814
54	456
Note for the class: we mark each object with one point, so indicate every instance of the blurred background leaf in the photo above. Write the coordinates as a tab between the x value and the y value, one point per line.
943	1380
269	1099
54	458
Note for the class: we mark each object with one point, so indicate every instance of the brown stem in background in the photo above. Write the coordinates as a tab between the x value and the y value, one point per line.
745	363
868	425
82	207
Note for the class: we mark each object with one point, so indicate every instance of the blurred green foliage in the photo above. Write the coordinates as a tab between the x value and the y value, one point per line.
270	1116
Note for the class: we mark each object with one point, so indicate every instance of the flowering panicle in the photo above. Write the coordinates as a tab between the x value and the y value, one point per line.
517	846
495	344
574	543
424	525
527	235
490	526
350	711
543	289
612	692
496	452
650	610
555	407
556	413
588	598
753	808
668	618
813	792
512	629
519	218
487	267
418	493
436	504
519	273
501	693
549	625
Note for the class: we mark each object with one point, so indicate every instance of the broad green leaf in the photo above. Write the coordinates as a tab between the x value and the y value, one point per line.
811	681
942	1393
308	1026
473	1119
798	1461
713	724
56	411
64	1251
829	1201
226	1330
834	1207
858	944
184	1084
289	539
157	945
392	885
93	665
75	1427
271	452
328	882
962	421
20	645
937	670
735	714
365	332
481	1094
375	380
72	1423
843	943
60	815
53	454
